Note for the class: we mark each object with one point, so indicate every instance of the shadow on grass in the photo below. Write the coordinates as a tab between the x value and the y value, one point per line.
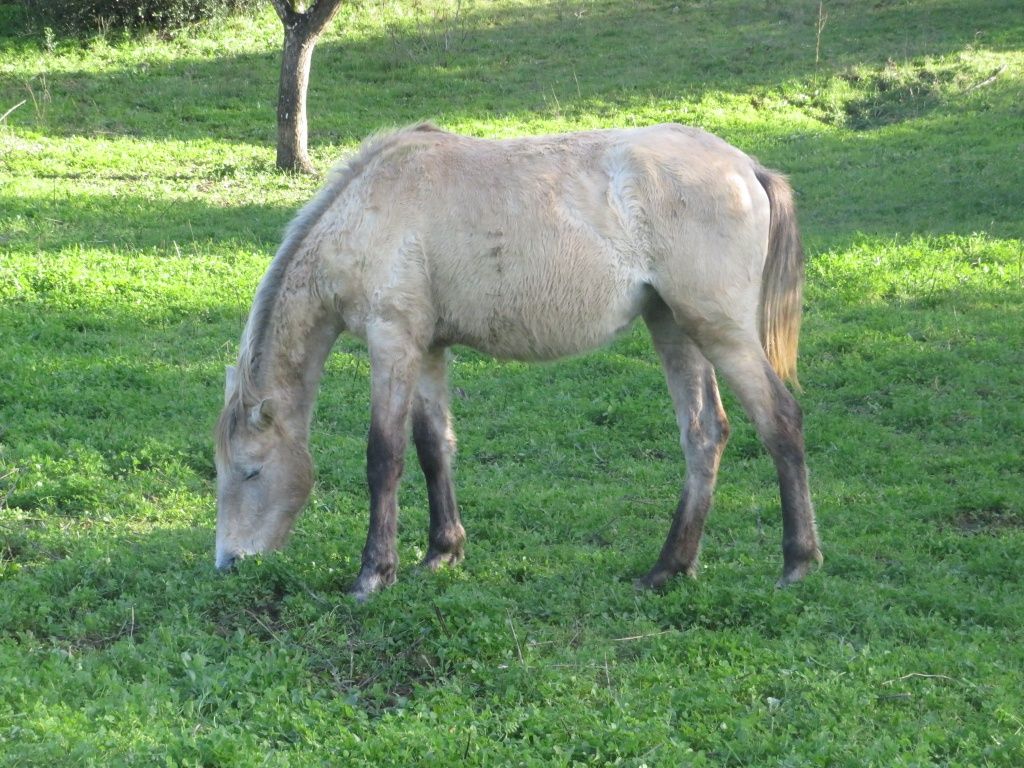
129	222
945	174
945	170
115	380
148	604
153	606
483	63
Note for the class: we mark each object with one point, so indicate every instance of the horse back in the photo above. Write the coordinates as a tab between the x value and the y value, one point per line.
542	247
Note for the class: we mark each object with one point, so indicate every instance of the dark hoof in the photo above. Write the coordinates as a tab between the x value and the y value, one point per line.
793	573
370	582
435	560
660	575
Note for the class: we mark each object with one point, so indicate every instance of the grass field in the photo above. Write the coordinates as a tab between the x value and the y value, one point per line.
138	209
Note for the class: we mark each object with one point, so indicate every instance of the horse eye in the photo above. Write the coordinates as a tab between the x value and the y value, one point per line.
250	473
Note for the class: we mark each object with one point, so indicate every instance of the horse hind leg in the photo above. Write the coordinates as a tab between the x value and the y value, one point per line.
704	431
435	444
779	422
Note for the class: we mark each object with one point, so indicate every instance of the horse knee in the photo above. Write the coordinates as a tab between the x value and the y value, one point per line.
434	443
385	458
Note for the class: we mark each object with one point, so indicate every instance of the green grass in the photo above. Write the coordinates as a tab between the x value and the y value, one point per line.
138	209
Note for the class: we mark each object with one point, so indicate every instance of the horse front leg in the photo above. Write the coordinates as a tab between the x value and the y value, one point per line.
394	370
703	430
435	444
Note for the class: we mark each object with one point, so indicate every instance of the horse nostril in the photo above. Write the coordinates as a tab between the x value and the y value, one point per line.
226	563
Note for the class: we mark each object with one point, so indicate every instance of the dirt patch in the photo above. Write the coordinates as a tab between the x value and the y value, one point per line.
895	94
991	521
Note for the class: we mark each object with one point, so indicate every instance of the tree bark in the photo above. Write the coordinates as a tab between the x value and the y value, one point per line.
301	32
292	135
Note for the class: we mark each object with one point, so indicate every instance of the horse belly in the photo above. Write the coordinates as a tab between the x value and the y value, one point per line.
542	309
538	267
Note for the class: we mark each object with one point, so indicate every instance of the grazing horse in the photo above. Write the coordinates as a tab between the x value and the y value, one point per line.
525	249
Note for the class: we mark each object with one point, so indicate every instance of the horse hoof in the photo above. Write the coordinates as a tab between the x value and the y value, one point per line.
359	595
645	584
369	583
660	575
653	581
794	573
435	560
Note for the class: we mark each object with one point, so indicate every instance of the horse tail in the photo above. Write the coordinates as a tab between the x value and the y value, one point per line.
782	281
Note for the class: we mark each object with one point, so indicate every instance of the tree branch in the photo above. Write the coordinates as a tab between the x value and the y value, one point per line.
321	14
284	10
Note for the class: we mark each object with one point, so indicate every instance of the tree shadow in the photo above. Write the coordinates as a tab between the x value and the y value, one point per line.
570	61
108	394
115	324
946	174
483	62
127	222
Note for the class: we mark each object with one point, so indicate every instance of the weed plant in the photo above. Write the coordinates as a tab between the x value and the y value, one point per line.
139	208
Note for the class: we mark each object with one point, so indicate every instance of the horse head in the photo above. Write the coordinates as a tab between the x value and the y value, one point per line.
264	475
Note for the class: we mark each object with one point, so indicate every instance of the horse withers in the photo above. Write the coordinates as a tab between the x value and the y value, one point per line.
526	249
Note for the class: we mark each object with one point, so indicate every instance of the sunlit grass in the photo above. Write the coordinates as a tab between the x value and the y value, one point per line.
139	207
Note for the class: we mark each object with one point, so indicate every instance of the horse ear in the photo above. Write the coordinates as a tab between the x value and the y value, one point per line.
262	414
230	381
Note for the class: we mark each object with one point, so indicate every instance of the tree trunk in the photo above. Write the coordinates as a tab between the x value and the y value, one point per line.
301	31
292	143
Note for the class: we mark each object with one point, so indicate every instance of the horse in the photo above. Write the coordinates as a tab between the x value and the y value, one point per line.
527	249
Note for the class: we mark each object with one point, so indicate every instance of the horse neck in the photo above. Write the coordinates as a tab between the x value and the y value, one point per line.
293	346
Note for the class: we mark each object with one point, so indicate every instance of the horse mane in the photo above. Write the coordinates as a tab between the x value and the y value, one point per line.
246	391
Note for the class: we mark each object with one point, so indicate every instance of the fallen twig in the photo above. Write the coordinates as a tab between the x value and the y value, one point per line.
3	117
929	677
640	637
987	81
258	620
519	648
440	619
